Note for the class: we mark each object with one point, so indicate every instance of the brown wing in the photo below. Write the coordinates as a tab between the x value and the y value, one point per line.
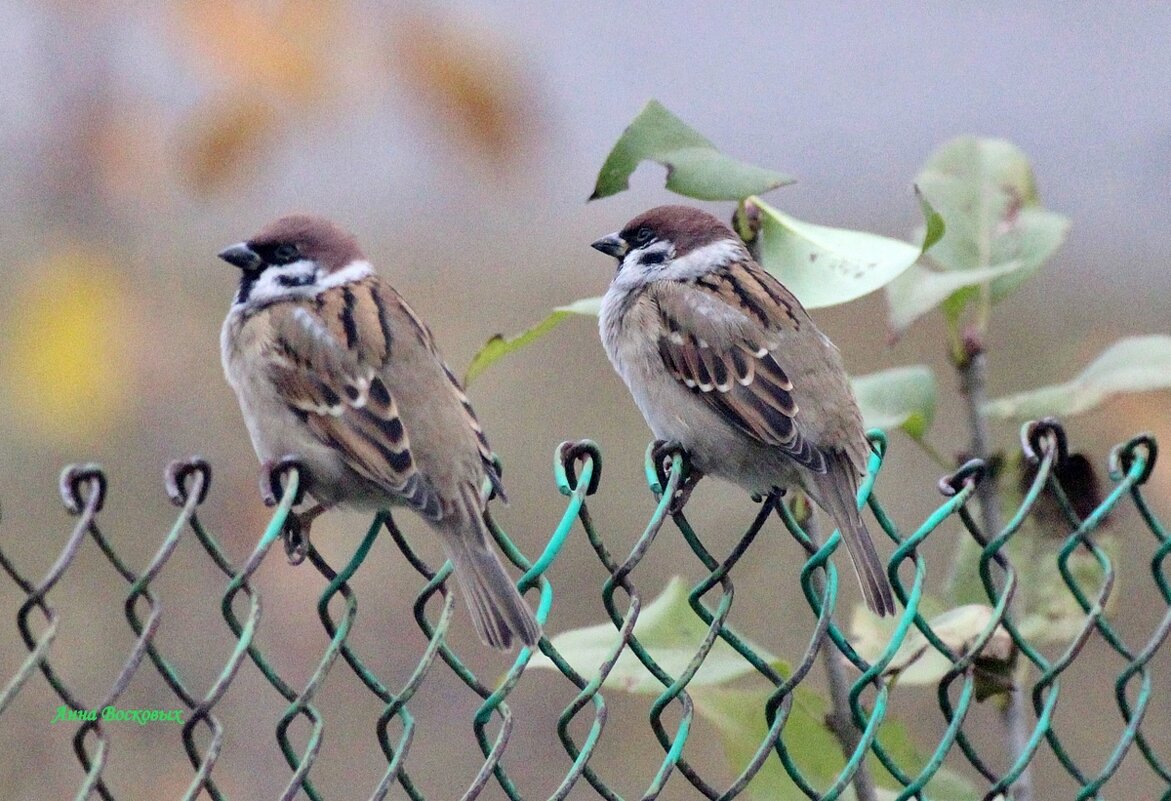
723	337
325	361
487	457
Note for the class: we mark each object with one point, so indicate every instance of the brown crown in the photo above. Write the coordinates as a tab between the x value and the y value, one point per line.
325	242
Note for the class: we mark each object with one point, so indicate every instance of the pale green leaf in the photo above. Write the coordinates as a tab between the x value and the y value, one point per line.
920	289
671	632
695	168
826	266
917	662
1054	614
738	715
985	190
1133	364
902	397
587	306
499	345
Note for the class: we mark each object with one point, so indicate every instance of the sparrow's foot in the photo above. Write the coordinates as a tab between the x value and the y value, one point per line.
272	471
683	494
662	452
296	533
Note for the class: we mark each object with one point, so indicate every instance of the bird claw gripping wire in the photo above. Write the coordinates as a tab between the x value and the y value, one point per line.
182	471
663	453
273	480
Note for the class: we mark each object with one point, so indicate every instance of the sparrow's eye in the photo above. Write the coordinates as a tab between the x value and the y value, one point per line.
285	254
642	236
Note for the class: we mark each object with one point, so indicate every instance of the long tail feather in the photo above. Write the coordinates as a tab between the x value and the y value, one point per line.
498	611
835	491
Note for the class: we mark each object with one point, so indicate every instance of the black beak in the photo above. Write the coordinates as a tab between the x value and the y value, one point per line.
241	256
612	245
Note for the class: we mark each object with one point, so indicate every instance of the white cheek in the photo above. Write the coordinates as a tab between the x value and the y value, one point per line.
292	280
705	259
354	271
644	264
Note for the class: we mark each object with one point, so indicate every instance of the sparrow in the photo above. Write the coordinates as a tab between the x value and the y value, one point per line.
332	366
721	358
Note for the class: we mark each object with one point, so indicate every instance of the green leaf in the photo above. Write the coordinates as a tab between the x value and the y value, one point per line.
917	662
902	397
694	167
1054	615
920	289
826	266
738	716
671	632
1133	364
499	345
985	190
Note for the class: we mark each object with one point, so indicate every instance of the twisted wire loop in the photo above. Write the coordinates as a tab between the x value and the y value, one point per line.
577	468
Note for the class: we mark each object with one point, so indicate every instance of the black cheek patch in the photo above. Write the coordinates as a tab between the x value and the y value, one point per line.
653	257
248	279
295	280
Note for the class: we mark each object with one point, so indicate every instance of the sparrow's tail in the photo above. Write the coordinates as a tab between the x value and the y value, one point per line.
835	491
498	611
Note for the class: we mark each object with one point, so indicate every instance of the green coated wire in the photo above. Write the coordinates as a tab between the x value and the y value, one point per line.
577	469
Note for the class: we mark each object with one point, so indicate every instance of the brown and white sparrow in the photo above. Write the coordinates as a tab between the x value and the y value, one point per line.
721	358
331	365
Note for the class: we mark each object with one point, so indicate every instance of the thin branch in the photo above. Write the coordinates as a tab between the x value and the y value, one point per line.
973	370
840	720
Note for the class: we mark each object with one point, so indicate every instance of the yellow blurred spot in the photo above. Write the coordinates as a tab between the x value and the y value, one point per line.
64	352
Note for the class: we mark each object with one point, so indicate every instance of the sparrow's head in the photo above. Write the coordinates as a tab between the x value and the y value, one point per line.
294	256
671	243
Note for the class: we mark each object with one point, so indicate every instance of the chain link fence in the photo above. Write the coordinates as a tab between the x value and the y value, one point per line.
989	653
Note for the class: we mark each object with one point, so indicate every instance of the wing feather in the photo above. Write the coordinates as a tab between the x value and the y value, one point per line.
326	358
734	365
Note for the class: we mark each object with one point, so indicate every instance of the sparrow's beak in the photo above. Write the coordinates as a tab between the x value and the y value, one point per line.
612	245
241	256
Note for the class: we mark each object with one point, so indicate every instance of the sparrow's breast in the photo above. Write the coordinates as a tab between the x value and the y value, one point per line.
274	429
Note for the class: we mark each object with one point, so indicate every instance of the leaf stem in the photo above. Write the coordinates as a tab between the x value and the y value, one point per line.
973	369
840	720
930	450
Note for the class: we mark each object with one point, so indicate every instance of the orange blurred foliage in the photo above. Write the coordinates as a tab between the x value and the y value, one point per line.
272	47
225	141
468	80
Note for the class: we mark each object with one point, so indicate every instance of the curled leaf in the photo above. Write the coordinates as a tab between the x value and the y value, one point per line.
917	662
997	231
826	266
902	397
694	167
1132	364
499	345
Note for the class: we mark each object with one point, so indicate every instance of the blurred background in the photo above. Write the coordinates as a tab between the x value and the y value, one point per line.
459	142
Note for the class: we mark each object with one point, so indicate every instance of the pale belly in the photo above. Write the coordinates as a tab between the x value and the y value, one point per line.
714	445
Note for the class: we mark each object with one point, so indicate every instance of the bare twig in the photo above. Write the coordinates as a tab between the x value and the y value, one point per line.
973	369
840	720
